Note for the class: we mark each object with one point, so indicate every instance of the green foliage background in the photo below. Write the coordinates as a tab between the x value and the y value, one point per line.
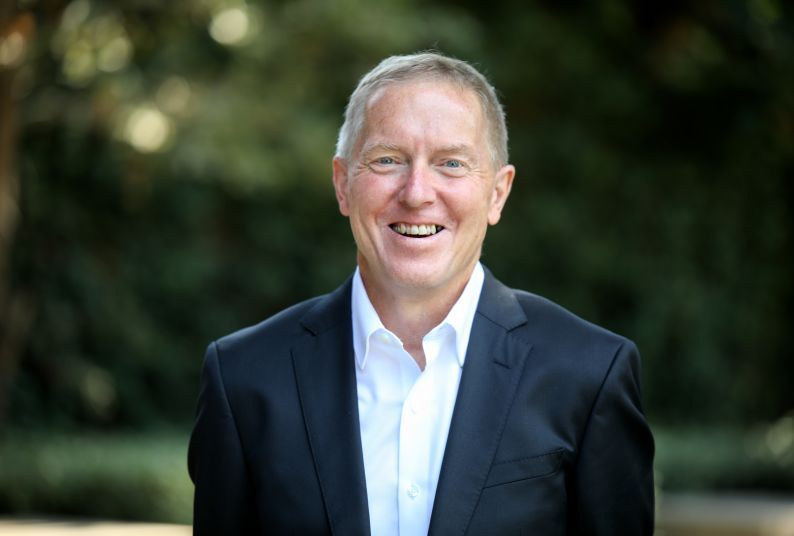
654	152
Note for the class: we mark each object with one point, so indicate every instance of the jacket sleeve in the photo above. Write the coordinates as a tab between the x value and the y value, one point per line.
613	480
216	462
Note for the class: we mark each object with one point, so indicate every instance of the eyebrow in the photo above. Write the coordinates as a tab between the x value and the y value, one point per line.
461	149
367	151
458	148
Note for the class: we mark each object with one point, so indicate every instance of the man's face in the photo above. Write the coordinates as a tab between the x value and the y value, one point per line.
420	189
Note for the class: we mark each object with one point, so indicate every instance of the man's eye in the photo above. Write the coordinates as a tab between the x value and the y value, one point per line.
454	168
385	161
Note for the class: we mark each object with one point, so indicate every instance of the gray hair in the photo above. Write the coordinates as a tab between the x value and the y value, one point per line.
424	66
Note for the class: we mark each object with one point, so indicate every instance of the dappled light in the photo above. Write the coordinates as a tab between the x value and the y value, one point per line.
12	48
173	95
230	26
165	178
89	43
147	129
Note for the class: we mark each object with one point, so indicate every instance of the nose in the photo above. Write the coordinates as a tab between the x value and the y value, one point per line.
418	188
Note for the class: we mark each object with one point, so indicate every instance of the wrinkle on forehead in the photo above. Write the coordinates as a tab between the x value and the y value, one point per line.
396	99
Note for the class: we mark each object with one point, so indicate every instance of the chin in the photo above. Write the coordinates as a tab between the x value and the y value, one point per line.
417	278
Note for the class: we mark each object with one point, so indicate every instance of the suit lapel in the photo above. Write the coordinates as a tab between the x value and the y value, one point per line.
494	364
325	374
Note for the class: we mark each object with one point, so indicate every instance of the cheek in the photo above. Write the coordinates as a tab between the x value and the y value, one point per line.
369	199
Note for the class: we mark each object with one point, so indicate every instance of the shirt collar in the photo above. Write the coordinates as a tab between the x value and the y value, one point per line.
365	320
460	317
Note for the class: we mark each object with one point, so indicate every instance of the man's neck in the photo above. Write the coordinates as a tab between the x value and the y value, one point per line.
411	315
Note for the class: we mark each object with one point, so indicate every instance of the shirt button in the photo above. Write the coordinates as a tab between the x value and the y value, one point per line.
413	491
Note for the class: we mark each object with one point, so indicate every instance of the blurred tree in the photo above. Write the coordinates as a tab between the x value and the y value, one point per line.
658	145
16	34
177	186
175	164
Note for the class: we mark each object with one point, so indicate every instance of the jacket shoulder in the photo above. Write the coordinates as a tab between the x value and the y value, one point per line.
558	322
567	342
280	328
272	339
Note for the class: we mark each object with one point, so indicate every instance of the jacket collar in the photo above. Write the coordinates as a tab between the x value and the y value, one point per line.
325	374
494	365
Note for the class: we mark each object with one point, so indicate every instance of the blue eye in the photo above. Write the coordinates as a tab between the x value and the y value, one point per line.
385	160
453	163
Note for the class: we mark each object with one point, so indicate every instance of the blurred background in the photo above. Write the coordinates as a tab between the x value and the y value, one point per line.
165	179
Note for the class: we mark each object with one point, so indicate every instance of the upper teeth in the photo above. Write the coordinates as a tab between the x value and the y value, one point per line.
415	230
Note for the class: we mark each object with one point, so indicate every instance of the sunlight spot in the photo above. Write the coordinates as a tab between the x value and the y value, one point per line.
173	95
75	14
115	55
12	49
230	26
99	391
78	63
780	436
147	129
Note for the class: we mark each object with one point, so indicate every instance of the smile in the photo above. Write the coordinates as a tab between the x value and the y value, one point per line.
422	230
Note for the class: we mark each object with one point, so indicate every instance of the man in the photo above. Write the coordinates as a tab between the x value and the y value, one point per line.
422	395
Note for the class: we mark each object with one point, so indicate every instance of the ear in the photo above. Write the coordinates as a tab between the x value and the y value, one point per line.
340	184
501	189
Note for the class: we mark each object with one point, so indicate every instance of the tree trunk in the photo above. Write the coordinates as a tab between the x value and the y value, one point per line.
16	30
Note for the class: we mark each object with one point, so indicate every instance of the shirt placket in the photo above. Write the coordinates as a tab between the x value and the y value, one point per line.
416	432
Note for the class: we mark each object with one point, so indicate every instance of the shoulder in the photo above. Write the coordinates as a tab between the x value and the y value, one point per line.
560	324
565	341
271	340
282	326
577	360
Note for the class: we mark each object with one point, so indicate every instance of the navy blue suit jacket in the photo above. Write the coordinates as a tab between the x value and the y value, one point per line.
547	436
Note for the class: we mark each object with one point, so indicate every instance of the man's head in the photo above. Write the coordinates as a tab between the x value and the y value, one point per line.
419	179
424	66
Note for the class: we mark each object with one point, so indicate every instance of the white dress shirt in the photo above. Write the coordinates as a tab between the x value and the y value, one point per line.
405	412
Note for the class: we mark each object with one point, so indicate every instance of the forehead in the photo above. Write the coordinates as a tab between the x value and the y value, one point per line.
406	93
429	106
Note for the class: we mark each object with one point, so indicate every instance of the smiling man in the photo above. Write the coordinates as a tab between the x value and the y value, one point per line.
422	396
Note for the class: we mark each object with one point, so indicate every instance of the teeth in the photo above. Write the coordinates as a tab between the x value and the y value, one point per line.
416	230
